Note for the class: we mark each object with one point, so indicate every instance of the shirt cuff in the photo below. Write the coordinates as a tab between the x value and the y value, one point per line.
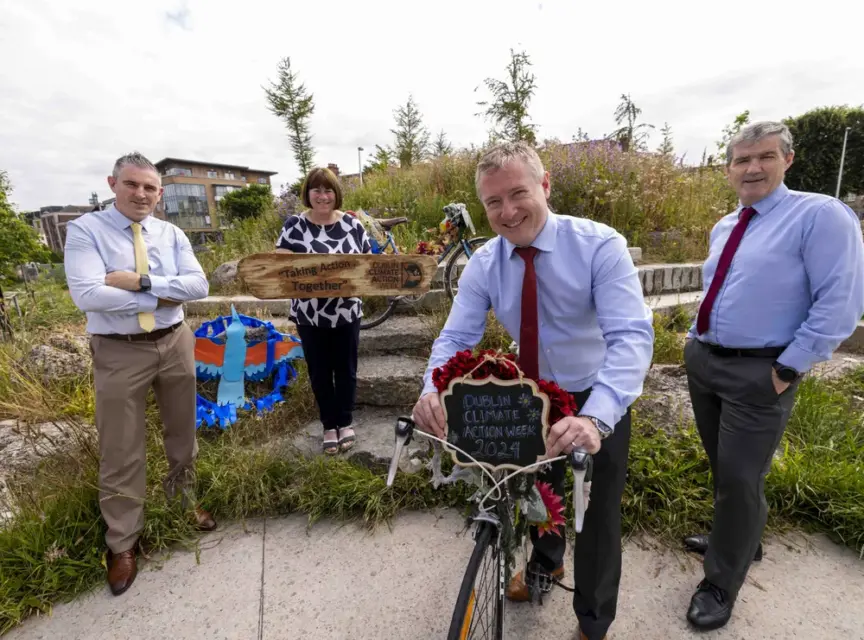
159	286
147	302
798	358
603	406
428	387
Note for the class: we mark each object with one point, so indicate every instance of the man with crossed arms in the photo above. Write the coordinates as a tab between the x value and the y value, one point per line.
130	272
568	288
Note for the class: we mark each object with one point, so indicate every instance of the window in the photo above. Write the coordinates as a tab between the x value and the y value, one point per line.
229	175
186	205
243	178
177	171
262	180
220	190
212	174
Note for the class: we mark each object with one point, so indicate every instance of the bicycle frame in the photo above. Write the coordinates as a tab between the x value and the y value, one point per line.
391	242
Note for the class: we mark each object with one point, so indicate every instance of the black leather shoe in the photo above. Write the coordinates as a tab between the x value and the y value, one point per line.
710	607
699	544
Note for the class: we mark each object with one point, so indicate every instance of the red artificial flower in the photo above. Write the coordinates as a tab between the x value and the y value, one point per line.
503	366
554	510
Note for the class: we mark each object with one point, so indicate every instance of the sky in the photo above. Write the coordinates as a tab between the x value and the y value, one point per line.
83	82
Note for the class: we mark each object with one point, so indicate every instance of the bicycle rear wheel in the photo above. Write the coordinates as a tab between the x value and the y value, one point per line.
479	611
376	310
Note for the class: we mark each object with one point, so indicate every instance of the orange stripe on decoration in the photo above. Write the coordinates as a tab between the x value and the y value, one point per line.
208	352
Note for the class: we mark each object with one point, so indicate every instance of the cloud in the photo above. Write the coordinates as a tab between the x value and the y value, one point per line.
180	17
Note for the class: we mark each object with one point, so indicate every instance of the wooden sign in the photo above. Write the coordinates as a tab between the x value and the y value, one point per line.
334	275
502	424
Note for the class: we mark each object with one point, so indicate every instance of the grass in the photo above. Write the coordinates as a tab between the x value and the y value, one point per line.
53	548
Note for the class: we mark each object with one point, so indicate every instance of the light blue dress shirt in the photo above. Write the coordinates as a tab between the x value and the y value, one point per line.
797	278
595	328
100	242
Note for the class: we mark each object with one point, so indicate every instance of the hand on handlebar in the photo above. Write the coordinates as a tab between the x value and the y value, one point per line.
429	416
571	433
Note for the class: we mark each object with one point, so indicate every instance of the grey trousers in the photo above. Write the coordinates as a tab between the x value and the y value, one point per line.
741	419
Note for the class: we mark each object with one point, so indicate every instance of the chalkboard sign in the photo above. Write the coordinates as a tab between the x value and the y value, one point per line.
502	424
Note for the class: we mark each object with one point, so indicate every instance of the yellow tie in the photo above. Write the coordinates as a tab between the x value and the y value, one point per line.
145	319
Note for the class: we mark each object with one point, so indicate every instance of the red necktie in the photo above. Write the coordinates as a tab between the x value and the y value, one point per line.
529	334
704	318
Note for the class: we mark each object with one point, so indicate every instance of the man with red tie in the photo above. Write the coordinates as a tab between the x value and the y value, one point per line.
784	287
568	288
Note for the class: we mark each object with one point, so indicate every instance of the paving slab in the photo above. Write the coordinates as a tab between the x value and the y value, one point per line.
341	581
173	597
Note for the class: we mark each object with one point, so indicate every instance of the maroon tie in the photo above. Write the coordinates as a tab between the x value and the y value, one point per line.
528	332
704	319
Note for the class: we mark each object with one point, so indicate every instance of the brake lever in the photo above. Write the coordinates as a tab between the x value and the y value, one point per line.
404	431
582	464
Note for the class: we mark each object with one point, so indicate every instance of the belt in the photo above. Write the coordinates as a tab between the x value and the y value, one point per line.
153	336
728	352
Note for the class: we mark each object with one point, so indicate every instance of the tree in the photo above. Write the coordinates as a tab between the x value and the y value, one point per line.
19	242
510	99
381	161
631	136
412	138
441	146
290	101
666	148
729	132
248	202
817	138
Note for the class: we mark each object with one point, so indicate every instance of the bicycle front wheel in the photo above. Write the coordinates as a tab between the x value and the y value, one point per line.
479	611
456	263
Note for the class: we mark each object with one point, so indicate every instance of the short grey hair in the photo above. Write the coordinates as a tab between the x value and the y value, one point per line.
504	153
135	159
758	131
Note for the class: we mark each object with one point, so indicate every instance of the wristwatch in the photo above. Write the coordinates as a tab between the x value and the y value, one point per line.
144	283
786	374
604	429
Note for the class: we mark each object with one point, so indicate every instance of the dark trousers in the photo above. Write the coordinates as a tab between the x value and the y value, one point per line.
331	359
741	420
597	549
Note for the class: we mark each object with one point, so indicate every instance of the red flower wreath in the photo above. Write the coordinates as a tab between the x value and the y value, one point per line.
488	363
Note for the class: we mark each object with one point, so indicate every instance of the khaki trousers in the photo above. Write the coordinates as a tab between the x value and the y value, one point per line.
124	372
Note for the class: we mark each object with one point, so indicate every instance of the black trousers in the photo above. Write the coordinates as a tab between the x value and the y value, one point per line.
331	359
741	419
597	549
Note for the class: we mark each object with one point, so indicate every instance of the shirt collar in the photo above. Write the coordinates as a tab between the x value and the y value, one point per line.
545	240
767	204
122	222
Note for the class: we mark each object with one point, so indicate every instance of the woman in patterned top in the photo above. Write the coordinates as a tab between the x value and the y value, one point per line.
329	328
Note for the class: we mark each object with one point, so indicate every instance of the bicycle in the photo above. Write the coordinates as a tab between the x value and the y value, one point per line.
456	217
479	610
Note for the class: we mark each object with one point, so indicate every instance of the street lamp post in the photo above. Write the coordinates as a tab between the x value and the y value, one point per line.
842	158
360	164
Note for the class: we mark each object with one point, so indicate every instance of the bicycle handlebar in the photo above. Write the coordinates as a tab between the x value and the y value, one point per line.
581	462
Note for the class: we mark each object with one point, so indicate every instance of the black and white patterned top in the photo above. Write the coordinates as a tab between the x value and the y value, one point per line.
343	236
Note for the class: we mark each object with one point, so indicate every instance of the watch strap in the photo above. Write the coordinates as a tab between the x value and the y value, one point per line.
602	428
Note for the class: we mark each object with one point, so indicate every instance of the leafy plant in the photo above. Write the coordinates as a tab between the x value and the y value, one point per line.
511	98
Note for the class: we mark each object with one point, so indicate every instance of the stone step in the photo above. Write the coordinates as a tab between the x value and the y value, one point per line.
398	335
375	440
389	381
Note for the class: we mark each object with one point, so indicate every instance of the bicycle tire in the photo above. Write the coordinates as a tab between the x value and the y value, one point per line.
462	624
473	243
367	322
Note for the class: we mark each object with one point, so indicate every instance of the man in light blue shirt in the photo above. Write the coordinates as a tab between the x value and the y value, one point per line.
784	286
595	341
130	272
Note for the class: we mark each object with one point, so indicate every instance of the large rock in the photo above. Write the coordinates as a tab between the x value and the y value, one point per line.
225	274
389	381
51	363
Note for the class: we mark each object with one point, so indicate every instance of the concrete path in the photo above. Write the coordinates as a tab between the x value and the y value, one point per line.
275	580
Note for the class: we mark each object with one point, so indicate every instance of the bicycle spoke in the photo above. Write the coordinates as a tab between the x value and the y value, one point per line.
486	598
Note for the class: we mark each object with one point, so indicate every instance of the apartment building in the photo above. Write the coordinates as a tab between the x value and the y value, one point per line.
194	188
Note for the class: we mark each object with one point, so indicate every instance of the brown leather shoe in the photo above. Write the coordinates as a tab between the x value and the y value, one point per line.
122	569
203	520
517	590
